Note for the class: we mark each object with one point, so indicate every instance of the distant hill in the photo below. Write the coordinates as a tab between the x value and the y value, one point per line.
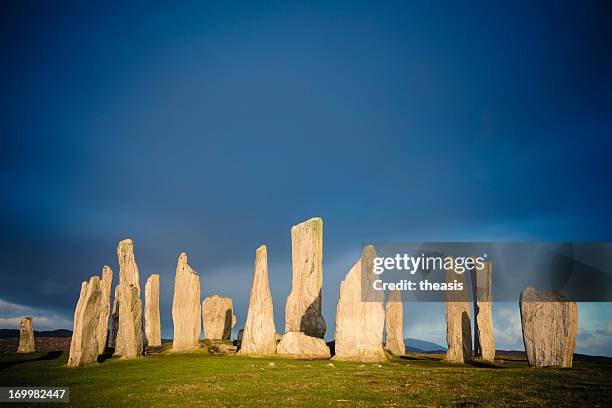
422	346
9	333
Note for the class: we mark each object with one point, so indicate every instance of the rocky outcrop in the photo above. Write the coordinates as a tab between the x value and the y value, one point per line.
359	323
105	290
130	342
458	326
26	336
259	332
186	309
303	309
218	317
298	345
484	343
550	325
394	324
151	310
84	342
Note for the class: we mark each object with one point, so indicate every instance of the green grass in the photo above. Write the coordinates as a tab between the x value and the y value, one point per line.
178	380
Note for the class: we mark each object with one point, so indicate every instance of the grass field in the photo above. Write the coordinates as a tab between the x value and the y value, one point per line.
168	379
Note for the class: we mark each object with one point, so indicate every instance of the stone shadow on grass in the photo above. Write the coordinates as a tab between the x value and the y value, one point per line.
484	364
412	357
108	353
51	355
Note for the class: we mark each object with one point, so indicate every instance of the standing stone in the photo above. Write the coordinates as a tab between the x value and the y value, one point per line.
303	310
458	326
239	339
129	287
394	324
259	332
359	323
186	310
84	342
128	270
105	289
218	317
130	343
484	344
550	325
112	341
152	320
26	336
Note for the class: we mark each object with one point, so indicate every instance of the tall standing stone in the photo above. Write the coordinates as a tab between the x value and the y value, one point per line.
152	320
550	325
130	343
303	309
26	336
186	309
112	341
360	314
128	269
128	291
218	317
458	326
105	289
484	343
84	342
259	332
394	324
239	339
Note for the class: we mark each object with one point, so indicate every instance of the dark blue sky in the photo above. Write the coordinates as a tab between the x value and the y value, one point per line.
213	128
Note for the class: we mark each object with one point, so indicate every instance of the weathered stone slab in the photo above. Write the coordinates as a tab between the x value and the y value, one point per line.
26	336
112	341
105	290
484	343
152	318
394	324
359	324
128	275
128	269
239	339
186	308
458	326
550	325
298	345
218	317
259	332
130	342
303	308
84	342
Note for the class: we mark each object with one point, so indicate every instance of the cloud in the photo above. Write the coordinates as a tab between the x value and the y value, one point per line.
596	341
12	313
507	326
11	308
